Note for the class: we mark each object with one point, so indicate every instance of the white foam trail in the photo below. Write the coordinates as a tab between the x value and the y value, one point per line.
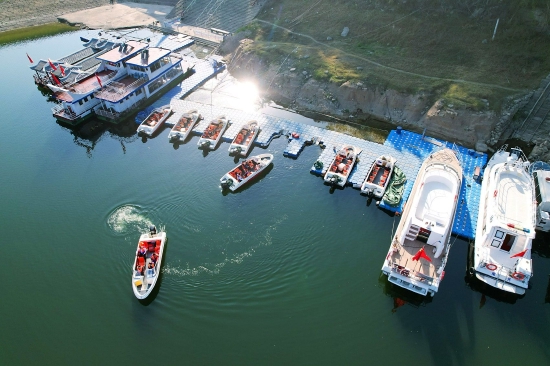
128	218
235	259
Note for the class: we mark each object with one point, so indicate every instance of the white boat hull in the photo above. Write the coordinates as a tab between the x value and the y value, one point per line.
342	165
233	179
213	134
184	126
244	140
506	223
379	176
146	129
143	284
425	226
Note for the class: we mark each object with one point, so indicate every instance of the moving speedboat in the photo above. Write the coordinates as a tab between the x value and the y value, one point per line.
147	263
506	223
245	171
420	247
213	133
154	120
244	139
378	177
342	165
183	127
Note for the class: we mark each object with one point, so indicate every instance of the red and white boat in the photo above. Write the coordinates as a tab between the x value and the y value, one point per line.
147	262
213	133
244	139
246	171
154	120
183	127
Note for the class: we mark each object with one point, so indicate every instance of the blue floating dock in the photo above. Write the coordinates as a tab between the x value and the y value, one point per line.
409	148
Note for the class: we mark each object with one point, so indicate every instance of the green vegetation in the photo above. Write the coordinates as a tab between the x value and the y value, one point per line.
34	32
442	47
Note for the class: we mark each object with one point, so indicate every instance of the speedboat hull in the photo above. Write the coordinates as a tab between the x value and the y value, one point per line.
213	133
378	177
184	126
244	139
342	165
145	279
154	120
246	171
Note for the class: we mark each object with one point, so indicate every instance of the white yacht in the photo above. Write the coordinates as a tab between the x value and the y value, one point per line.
245	171
154	120
542	191
244	139
213	133
147	262
342	165
420	247
378	177
506	223
184	126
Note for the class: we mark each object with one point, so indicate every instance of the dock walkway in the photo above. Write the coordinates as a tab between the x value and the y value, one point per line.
409	148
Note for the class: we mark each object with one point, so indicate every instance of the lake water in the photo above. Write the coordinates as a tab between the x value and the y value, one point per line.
282	272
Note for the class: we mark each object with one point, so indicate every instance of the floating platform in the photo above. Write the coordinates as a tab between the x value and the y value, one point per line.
409	148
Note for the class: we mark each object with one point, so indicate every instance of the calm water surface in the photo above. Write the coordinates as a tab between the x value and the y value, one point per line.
283	272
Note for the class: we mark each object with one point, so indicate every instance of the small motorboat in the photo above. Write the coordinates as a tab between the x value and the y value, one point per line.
342	165
246	171
147	263
244	139
154	120
183	127
378	177
213	133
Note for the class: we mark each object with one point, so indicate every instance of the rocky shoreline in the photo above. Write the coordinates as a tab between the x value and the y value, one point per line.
357	101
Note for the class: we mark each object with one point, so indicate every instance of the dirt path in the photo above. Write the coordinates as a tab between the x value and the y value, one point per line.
389	67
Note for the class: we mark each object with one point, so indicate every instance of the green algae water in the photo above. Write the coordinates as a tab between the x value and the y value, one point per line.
285	271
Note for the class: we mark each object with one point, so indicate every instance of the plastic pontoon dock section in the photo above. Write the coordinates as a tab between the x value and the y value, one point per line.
409	148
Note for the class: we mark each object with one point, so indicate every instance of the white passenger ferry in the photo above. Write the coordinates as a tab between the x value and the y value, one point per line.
420	247
184	126
506	223
340	169
244	139
147	262
378	176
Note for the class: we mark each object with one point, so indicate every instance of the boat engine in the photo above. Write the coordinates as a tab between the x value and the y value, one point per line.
152	230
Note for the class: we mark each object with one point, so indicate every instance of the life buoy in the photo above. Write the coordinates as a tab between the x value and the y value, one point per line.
491	266
518	276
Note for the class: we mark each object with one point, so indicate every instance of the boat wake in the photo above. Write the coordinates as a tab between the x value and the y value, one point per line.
263	240
127	219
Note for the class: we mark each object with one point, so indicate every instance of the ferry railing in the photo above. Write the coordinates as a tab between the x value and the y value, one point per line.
107	114
58	110
105	81
409	273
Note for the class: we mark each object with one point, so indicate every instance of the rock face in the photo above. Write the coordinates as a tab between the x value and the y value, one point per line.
361	100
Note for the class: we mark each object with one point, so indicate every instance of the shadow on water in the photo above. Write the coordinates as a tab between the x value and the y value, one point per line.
89	133
400	295
153	295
